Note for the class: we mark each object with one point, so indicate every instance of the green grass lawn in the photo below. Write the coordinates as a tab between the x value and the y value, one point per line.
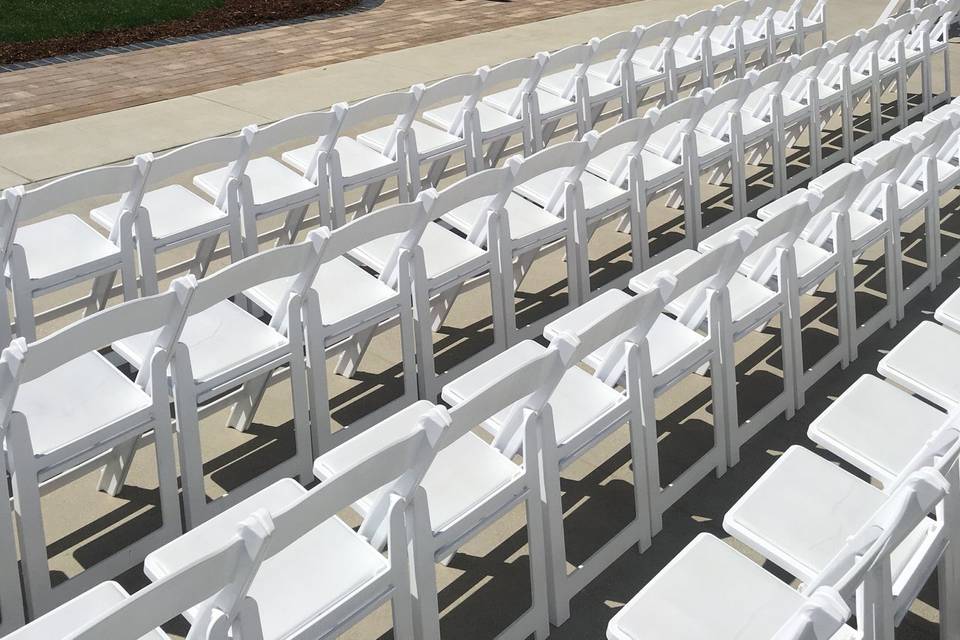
30	20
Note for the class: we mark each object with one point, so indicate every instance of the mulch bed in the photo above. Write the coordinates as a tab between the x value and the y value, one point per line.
233	13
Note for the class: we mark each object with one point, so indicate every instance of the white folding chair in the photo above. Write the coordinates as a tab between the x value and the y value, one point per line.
225	356
692	51
671	164
269	188
319	576
651	62
720	148
922	362
617	186
497	126
678	349
833	100
892	62
764	287
539	216
861	81
726	40
610	75
355	162
471	483
822	251
70	407
918	49
172	216
563	91
215	584
804	508
711	589
435	146
739	601
63	250
346	305
762	121
587	409
939	37
444	263
799	101
758	33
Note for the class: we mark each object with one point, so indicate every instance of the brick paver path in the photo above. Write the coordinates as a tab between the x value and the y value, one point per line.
44	95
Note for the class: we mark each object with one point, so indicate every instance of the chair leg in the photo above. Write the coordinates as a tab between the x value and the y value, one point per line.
191	458
423	341
537	549
437	167
948	571
250	396
319	395
204	255
26	322
726	418
291	226
426	619
113	475
494	151
787	354
370	194
100	292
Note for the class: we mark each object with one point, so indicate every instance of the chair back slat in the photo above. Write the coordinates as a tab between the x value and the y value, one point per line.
525	72
566	155
630	135
492	186
128	179
316	125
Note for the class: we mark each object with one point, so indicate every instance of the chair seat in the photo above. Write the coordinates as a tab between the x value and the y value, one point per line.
709	590
526	218
368	296
948	313
461	476
444	252
642	74
813	263
550	105
297	584
710	147
76	400
219	339
64	245
924	362
271	183
174	211
577	402
431	141
864	228
876	426
751	39
597	86
597	192
804	508
491	120
77	612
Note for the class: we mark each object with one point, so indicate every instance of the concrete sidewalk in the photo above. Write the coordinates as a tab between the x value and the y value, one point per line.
48	151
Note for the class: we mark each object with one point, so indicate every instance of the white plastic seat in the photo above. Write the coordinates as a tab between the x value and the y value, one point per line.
922	362
320	576
61	251
711	590
948	313
66	405
876	426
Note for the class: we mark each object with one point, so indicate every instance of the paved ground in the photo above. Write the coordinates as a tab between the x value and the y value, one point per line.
44	95
485	584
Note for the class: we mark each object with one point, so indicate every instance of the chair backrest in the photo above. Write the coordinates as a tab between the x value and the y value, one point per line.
296	261
492	187
883	164
578	57
407	220
466	86
900	28
681	117
523	387
779	233
233	151
820	617
771	81
723	103
622	45
838	189
218	581
840	56
525	72
662	35
629	323
394	468
21	204
699	25
321	126
732	15
570	155
940	32
402	105
630	136
161	315
711	271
